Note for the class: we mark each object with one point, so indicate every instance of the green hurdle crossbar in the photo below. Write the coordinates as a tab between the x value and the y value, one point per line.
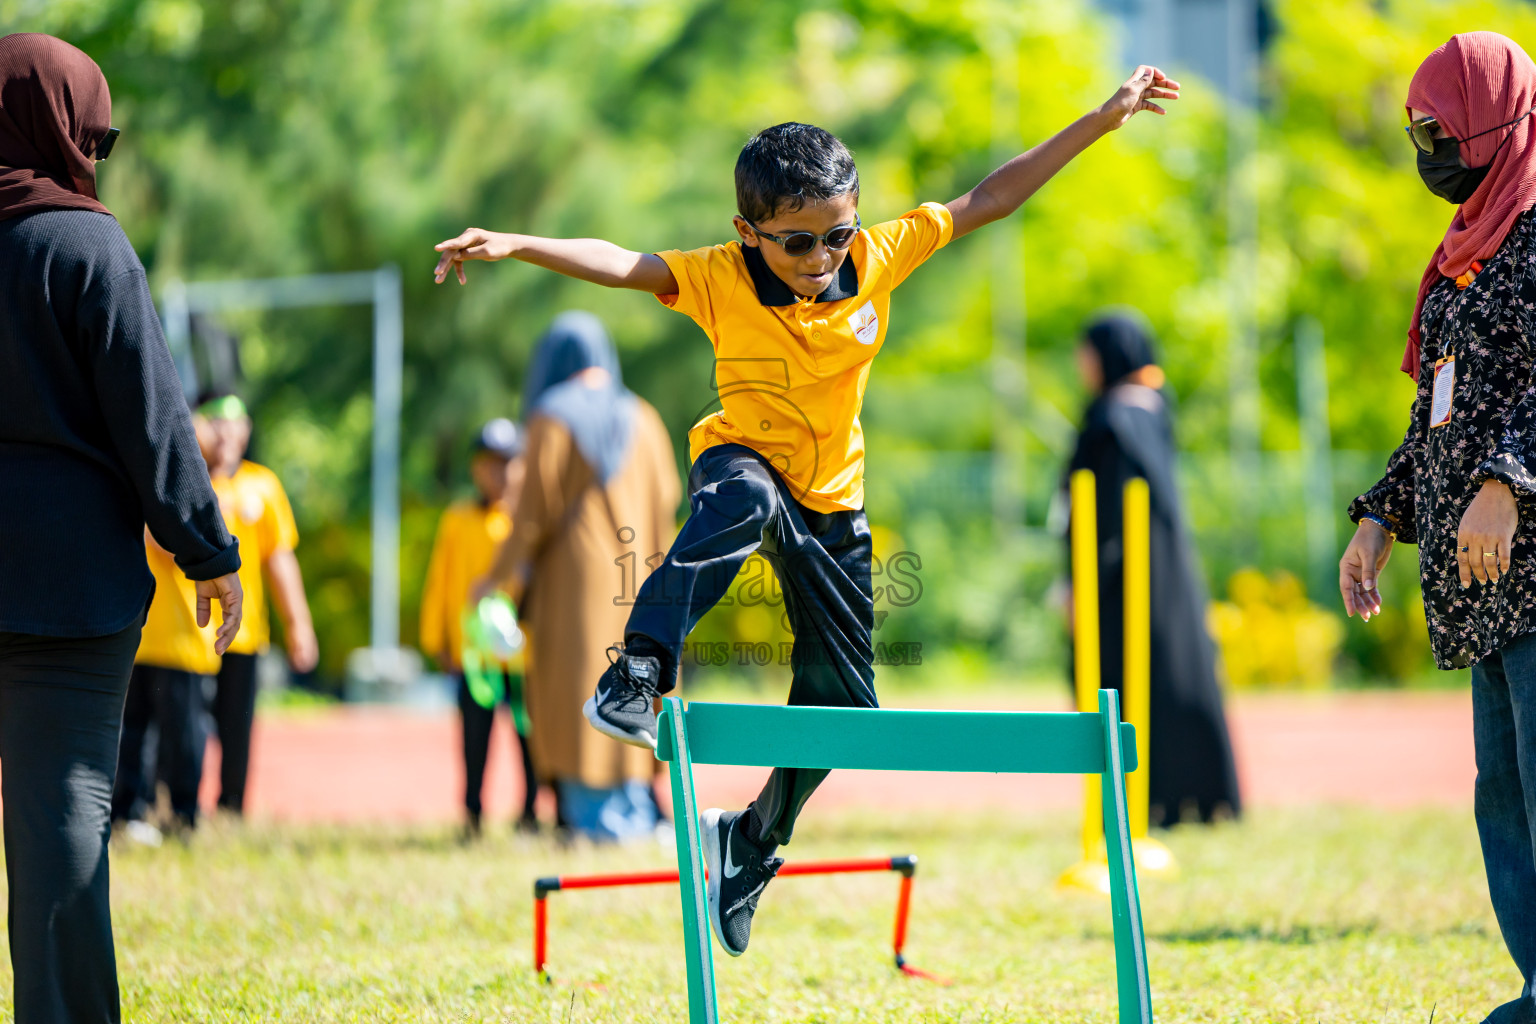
933	741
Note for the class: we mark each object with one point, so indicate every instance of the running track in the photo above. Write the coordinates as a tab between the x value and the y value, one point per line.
373	764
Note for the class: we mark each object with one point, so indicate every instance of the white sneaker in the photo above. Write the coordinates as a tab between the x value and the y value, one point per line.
142	833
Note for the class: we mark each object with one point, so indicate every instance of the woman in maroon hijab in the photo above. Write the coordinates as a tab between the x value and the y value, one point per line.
1464	480
95	443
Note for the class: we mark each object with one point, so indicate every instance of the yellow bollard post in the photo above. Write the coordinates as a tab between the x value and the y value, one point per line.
1091	874
1152	857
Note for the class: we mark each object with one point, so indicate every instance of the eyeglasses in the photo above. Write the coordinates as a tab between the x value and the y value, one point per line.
104	147
1422	131
798	243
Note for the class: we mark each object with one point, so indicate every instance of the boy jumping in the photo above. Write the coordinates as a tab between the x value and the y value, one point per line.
796	311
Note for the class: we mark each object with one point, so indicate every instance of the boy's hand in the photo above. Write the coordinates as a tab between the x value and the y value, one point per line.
1136	95
303	647
586	259
473	244
1008	187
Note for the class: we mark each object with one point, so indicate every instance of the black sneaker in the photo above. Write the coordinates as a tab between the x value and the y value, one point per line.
738	873
624	705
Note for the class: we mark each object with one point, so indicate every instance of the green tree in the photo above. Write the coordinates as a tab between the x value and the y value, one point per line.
269	137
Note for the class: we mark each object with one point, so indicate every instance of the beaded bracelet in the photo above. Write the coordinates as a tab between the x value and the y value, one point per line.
1381	523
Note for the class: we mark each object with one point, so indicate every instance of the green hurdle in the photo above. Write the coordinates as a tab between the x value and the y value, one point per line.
933	741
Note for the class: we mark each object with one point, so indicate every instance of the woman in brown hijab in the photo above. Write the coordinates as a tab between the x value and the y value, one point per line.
95	443
599	499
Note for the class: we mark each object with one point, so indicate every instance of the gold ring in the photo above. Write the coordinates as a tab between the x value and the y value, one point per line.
1489	554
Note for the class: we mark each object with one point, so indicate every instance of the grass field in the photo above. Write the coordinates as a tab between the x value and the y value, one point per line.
1321	915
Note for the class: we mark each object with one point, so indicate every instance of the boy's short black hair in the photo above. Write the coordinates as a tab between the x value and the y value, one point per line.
784	167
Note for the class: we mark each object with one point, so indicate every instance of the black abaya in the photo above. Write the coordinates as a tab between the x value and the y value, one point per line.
1128	433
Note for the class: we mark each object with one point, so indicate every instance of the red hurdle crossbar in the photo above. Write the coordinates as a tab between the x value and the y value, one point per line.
905	865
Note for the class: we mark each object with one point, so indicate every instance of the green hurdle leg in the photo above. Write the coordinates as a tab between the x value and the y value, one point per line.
702	1008
1125	904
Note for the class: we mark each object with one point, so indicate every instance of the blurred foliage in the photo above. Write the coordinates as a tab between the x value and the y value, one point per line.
269	137
1270	634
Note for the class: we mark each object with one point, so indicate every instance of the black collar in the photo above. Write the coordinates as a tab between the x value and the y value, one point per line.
771	291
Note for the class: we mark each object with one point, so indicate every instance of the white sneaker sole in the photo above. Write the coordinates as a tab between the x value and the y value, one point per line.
589	709
144	834
714	864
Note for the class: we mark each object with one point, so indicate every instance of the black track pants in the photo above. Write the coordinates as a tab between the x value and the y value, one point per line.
234	714
822	560
477	722
173	700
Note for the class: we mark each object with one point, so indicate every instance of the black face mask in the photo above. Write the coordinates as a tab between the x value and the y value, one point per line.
1442	170
1445	177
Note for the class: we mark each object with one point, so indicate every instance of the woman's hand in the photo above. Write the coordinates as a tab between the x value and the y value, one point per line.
473	244
227	592
1360	567
1486	535
1136	95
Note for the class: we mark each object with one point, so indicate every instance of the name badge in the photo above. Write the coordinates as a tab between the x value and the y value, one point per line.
1445	386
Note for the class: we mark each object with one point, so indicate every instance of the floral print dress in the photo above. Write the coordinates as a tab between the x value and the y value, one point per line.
1488	328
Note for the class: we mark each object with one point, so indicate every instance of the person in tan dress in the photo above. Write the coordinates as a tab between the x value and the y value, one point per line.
599	500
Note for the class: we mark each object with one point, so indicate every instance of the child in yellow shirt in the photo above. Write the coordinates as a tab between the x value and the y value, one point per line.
257	512
796	308
176	658
468	537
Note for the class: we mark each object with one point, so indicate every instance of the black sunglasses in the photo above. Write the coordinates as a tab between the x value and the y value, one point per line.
1422	131
798	243
104	147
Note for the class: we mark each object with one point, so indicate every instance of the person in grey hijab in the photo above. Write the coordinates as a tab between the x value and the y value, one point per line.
596	408
598	504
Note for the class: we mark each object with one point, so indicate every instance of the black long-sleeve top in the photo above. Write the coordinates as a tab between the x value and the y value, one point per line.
1486	431
95	436
1128	432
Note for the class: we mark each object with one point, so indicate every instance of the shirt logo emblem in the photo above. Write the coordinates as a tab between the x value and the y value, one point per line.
866	325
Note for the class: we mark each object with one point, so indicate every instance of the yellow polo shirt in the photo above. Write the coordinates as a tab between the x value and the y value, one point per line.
257	513
791	372
468	537
171	638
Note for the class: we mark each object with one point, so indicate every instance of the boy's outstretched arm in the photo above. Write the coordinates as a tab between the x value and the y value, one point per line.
587	259
1005	189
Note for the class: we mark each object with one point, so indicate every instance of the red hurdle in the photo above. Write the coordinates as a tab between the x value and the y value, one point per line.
905	865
